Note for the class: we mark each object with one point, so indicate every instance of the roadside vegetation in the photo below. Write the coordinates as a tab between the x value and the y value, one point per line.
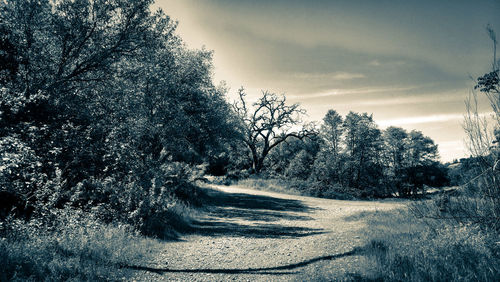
75	247
402	247
105	119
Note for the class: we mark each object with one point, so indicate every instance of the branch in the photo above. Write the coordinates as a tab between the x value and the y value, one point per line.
299	135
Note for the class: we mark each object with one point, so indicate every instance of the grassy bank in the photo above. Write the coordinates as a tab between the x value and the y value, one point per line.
73	244
271	185
296	187
402	247
76	247
70	244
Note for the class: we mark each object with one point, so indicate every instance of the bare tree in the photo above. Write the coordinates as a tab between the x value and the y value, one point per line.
483	136
268	123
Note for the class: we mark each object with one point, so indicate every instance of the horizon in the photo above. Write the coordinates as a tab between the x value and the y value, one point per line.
411	65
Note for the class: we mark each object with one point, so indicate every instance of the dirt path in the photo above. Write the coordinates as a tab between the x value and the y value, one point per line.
251	235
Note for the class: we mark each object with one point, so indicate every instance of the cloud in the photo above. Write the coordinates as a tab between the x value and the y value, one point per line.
429	119
389	60
450	150
420	120
363	90
413	100
452	144
347	76
404	30
377	63
329	76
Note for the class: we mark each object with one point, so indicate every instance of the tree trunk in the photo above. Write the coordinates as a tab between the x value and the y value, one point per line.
258	166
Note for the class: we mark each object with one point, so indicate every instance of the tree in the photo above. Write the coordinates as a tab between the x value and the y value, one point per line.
67	53
331	132
269	123
300	166
279	159
107	103
483	139
363	148
8	56
327	164
421	154
395	144
421	149
410	161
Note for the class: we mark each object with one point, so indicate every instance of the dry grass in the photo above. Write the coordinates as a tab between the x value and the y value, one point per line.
298	187
271	185
79	249
405	248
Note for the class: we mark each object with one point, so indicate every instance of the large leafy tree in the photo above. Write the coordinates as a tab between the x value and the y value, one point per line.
280	159
422	153
108	100
331	132
363	147
411	160
395	144
67	51
327	165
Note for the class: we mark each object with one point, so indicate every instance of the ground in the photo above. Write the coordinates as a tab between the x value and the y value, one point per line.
250	235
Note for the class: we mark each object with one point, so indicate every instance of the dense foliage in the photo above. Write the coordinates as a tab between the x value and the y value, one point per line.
103	108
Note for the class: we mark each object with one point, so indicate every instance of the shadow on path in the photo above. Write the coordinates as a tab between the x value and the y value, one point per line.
261	270
228	211
230	229
247	201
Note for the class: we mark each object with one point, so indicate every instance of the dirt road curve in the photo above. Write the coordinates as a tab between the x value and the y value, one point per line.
250	235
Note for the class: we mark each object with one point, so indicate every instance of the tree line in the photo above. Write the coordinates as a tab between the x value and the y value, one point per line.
344	155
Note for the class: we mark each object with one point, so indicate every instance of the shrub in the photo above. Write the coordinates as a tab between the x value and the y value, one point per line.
18	168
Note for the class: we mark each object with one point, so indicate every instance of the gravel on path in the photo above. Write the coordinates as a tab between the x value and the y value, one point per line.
253	235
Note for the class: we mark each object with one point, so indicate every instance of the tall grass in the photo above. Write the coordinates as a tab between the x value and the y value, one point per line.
77	247
270	184
406	248
296	187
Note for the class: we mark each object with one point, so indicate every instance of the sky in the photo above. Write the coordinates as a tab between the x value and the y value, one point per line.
409	63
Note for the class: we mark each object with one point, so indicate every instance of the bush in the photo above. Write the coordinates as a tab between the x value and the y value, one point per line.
337	191
19	168
238	174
